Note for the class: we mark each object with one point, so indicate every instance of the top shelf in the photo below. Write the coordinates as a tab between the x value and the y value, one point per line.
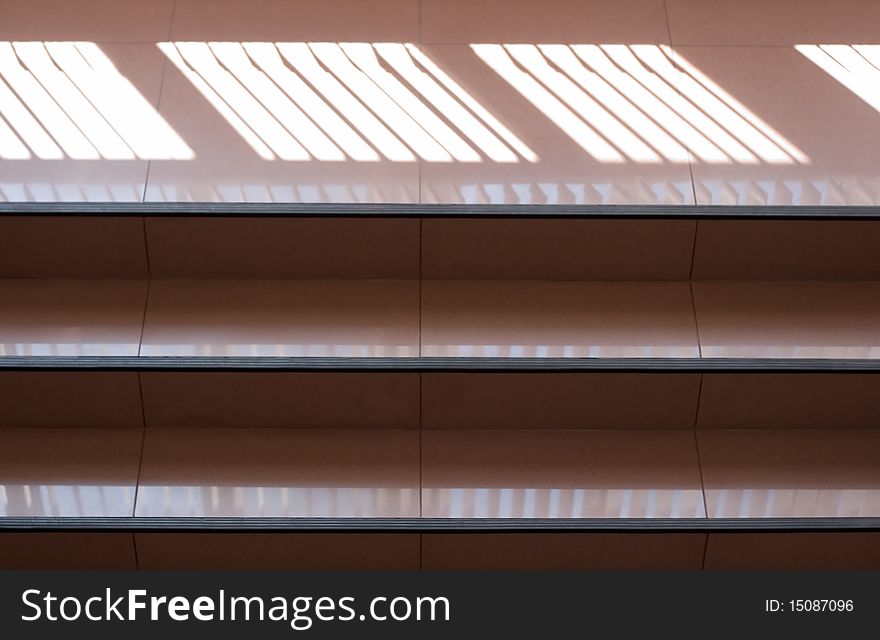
403	210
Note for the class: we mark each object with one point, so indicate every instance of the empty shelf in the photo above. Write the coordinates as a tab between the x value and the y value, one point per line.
444	480
520	325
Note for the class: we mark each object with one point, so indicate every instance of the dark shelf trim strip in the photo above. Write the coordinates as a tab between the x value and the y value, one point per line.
401	210
423	364
433	525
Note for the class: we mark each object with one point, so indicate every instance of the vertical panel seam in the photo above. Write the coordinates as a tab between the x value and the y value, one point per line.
696	320
705	550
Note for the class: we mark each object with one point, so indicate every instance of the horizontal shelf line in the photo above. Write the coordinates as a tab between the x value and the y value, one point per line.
401	210
438	525
429	364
